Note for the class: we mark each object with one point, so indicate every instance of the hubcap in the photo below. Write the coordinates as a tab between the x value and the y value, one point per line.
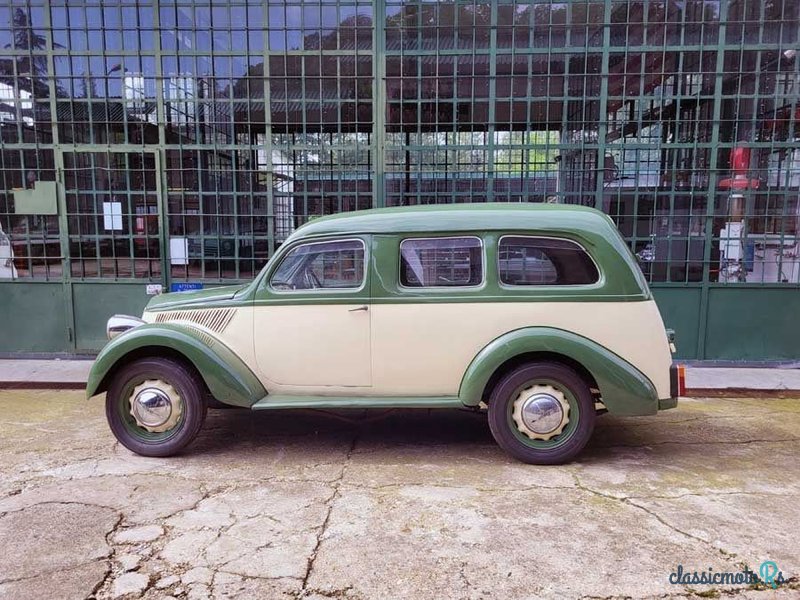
541	412
156	406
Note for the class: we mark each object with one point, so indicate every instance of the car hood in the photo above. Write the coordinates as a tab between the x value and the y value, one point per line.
193	298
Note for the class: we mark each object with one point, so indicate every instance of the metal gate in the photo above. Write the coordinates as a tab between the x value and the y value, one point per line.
92	254
115	228
184	141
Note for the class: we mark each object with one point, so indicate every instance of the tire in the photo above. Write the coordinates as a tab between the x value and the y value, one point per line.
168	377
564	386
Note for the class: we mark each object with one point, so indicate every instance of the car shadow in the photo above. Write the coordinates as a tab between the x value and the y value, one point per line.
459	433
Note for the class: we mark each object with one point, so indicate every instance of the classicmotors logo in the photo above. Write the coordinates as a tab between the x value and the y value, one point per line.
768	574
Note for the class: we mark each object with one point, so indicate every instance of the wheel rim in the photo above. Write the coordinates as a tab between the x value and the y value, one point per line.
544	414
151	409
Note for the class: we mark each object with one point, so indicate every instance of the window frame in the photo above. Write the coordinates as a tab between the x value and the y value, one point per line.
534	286
439	288
301	243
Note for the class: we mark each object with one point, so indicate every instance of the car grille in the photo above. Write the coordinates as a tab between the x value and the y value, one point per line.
214	319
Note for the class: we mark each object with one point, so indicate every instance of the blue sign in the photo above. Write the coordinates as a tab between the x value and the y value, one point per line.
185	286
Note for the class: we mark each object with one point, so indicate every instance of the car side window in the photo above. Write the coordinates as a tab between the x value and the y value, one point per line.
544	261
441	262
321	265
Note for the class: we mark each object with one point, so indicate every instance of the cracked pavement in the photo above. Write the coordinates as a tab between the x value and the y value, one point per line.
398	504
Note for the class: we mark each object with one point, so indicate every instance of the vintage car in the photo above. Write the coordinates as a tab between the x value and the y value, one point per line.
537	314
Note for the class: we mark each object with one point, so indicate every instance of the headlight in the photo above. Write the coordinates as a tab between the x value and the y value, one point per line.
120	324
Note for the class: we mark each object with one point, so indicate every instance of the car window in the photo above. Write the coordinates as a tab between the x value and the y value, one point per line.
544	261
321	265
437	262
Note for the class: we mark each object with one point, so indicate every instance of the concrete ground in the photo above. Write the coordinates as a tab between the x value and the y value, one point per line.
407	504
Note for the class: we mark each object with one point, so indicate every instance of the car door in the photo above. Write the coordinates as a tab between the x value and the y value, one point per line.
312	318
426	323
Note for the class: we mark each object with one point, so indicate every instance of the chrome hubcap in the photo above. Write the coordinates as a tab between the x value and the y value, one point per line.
541	412
156	406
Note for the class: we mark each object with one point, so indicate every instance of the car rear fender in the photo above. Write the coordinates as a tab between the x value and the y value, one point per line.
624	389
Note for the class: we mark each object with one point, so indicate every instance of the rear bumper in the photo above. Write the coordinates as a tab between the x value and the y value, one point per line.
667	403
677	387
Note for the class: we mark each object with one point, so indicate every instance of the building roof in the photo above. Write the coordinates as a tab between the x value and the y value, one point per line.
463	217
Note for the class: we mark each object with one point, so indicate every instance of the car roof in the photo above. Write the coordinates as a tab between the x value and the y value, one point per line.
461	217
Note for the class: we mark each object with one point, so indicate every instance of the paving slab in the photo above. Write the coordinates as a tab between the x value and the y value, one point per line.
408	504
726	378
44	373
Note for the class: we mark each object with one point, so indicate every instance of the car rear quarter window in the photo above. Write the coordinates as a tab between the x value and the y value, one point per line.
441	262
527	260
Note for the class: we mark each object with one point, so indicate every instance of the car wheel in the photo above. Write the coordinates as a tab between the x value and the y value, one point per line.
155	406
542	413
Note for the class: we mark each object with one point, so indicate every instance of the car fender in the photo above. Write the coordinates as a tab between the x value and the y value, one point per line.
624	389
228	378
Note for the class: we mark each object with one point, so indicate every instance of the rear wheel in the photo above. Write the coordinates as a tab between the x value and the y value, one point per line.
542	413
155	406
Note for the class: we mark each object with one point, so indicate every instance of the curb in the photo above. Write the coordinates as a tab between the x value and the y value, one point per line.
740	393
42	385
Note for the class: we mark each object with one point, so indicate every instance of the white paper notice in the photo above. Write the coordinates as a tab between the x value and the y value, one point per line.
112	216
179	251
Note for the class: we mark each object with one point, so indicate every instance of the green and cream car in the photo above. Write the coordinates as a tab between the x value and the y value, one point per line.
537	314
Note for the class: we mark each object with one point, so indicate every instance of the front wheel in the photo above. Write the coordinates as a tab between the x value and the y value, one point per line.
542	413
155	406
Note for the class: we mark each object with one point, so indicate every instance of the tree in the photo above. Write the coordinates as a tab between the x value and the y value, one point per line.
31	68
26	38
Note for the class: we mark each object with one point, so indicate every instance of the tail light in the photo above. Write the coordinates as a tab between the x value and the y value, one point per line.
677	381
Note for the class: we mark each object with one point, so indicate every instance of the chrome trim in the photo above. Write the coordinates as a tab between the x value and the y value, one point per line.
541	412
156	406
120	324
215	319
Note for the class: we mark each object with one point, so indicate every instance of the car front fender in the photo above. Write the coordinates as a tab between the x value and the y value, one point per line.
228	378
624	389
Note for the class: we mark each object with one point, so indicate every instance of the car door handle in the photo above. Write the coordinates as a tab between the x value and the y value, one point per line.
364	307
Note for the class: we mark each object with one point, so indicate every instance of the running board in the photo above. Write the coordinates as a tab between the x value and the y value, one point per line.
283	401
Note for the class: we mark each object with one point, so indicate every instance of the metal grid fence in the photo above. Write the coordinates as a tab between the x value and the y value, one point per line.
187	139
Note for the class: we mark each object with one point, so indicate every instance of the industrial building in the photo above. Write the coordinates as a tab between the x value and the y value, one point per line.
155	145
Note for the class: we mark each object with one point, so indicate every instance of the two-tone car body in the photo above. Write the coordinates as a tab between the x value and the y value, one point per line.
539	313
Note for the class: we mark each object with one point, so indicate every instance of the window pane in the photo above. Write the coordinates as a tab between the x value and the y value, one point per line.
436	262
324	265
542	261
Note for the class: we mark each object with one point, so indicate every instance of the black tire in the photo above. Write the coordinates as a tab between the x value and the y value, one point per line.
564	446
123	425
